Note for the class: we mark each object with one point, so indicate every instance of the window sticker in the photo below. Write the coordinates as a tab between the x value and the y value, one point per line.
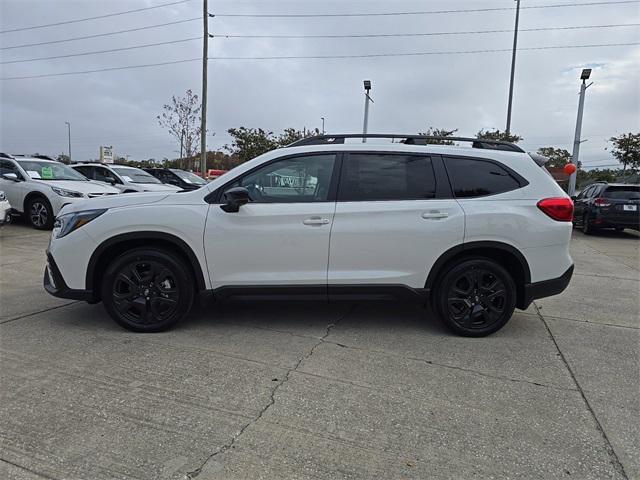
186	180
47	173
126	178
34	174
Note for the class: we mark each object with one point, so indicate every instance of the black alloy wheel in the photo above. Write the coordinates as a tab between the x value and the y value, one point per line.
148	290
476	297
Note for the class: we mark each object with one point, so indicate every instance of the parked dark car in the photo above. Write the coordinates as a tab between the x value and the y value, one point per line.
607	205
179	178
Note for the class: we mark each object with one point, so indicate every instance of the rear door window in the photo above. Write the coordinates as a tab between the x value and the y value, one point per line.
384	176
471	177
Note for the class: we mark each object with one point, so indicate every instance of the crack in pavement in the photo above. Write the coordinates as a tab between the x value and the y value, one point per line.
194	473
26	315
617	465
33	472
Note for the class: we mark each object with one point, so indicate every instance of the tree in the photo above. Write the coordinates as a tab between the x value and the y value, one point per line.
63	158
626	149
181	118
498	135
558	157
248	143
438	132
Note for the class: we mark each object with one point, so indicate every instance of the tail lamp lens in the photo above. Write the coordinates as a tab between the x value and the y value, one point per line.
601	202
560	208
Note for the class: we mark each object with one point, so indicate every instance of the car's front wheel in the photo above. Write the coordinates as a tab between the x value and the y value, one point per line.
475	297
40	213
148	290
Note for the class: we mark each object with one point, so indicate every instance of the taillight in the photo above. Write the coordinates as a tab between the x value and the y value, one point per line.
601	202
559	208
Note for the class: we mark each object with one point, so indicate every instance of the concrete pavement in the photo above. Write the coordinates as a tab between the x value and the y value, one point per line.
307	390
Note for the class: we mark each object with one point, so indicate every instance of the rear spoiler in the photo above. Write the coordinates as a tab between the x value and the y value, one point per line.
539	159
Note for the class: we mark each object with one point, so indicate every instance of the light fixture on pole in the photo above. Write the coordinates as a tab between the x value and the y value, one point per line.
586	73
69	134
367	99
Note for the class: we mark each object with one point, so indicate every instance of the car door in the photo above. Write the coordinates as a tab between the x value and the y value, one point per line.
15	191
578	203
394	218
281	237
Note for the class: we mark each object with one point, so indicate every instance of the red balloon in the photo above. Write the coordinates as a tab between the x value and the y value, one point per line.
569	168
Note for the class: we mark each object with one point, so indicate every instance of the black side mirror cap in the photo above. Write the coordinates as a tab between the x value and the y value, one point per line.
235	197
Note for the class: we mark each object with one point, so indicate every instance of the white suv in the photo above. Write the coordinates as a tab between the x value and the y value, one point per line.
124	178
477	231
39	188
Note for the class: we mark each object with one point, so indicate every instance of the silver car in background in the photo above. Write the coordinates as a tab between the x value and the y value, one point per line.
124	178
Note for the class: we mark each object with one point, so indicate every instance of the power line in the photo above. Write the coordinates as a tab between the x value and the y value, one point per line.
470	32
102	51
417	54
67	22
100	34
374	55
428	12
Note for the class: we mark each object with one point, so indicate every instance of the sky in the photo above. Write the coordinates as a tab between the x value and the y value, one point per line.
467	91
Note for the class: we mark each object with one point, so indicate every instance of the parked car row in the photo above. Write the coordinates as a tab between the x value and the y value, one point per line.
38	187
607	205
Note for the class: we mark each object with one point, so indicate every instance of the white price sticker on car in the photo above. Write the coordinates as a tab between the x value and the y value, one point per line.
630	208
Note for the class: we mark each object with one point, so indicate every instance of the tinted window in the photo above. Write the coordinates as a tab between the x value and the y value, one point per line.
373	176
9	167
623	193
477	178
86	171
291	180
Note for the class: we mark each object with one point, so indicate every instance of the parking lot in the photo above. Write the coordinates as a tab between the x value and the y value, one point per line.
280	390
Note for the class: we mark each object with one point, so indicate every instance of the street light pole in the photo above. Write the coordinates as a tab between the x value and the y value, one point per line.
322	118
367	99
69	132
586	73
203	121
513	67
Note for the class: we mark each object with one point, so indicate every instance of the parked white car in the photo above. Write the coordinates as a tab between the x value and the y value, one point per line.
40	188
124	178
477	232
5	209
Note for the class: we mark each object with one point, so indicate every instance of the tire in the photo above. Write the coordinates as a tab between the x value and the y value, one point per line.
475	297
148	290
39	213
586	228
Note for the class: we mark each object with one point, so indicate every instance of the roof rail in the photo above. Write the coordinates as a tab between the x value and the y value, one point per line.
407	139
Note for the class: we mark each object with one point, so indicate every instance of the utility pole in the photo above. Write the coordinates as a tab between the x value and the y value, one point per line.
322	118
203	122
69	132
586	73
367	99
513	67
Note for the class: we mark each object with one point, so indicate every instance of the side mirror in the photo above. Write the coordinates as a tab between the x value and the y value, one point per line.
574	197
11	176
235	198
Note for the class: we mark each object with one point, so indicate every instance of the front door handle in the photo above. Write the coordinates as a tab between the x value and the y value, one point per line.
316	221
434	215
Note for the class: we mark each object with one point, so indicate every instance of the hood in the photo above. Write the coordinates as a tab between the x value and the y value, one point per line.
114	201
80	186
157	187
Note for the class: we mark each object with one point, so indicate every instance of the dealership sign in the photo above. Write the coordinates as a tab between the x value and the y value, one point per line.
106	154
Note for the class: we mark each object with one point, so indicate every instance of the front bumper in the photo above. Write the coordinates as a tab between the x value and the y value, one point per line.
55	285
546	288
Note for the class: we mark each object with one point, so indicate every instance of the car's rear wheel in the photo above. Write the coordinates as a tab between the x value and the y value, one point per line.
475	297
587	229
148	290
40	213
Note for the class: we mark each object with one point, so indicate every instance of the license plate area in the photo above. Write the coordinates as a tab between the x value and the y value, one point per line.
630	208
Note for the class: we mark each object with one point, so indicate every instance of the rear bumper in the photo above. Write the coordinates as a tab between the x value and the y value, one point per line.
615	220
55	285
546	288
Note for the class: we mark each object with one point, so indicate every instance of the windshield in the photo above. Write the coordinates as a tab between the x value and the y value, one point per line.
623	193
135	175
189	177
42	170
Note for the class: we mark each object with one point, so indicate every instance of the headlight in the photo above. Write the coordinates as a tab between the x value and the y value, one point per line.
67	193
65	224
3	197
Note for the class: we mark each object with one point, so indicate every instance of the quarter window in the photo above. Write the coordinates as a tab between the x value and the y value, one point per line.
478	178
291	180
381	176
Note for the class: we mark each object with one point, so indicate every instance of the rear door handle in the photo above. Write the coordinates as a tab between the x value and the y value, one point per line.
434	215
316	221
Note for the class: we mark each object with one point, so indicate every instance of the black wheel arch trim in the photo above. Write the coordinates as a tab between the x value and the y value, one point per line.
145	235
